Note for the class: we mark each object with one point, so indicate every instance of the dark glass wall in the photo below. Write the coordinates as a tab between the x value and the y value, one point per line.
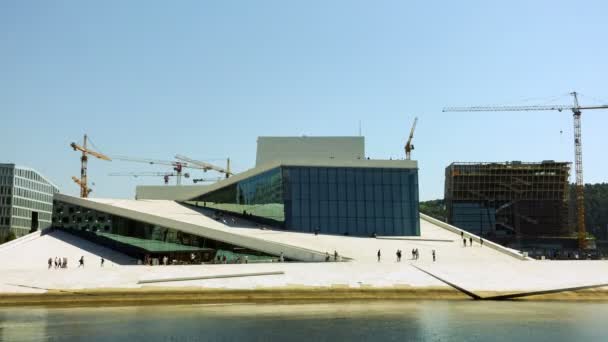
330	200
260	196
353	201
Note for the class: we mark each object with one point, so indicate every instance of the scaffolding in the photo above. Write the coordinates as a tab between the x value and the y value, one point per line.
509	200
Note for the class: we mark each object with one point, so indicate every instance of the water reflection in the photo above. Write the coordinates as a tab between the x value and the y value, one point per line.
399	321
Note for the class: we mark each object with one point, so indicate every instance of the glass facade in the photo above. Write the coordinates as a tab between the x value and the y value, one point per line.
260	196
143	240
26	200
329	200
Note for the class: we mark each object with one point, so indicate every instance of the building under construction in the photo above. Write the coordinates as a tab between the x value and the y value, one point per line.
510	202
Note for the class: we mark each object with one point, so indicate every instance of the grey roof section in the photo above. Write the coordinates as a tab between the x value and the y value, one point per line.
168	192
364	163
273	149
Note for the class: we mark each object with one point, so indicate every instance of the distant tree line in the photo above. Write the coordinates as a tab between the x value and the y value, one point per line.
596	209
435	209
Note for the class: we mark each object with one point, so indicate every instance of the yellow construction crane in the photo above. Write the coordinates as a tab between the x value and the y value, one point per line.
206	166
408	145
165	175
578	149
82	182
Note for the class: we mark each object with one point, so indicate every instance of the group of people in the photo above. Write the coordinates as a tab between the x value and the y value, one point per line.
464	240
399	253
63	262
58	262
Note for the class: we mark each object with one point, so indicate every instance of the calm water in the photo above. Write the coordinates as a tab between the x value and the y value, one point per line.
394	321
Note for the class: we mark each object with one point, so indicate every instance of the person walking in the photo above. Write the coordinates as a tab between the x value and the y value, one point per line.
480	242
50	262
335	255
81	261
433	255
464	242
102	261
379	254
471	241
461	234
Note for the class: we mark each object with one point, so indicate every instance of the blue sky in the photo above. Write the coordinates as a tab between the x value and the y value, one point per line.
204	78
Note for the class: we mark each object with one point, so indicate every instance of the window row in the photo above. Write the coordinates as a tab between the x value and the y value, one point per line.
33	195
38	206
325	175
5	221
352	209
5	190
33	185
6	171
21	223
353	226
6	180
351	192
26	213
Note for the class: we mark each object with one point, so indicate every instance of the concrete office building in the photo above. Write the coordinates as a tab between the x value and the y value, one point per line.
26	200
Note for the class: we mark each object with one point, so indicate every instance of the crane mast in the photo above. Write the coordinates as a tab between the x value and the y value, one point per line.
82	182
578	149
578	166
408	145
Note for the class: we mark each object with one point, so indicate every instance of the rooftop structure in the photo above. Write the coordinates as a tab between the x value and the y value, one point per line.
273	149
509	201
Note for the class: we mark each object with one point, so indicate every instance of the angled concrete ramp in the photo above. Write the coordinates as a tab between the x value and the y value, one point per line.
173	215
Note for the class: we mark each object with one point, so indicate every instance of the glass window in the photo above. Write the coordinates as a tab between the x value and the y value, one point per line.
331	175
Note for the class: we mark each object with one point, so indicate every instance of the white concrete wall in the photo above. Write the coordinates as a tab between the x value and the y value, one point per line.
273	149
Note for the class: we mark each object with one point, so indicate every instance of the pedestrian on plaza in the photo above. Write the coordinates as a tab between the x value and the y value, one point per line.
480	242
326	256
50	262
379	254
397	254
59	264
65	262
413	254
81	261
417	254
461	234
433	255
471	241
102	261
464	242
335	255
55	262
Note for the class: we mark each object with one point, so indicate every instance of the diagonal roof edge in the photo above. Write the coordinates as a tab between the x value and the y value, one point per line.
218	233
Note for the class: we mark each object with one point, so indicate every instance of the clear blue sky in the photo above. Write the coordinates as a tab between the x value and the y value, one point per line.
205	78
